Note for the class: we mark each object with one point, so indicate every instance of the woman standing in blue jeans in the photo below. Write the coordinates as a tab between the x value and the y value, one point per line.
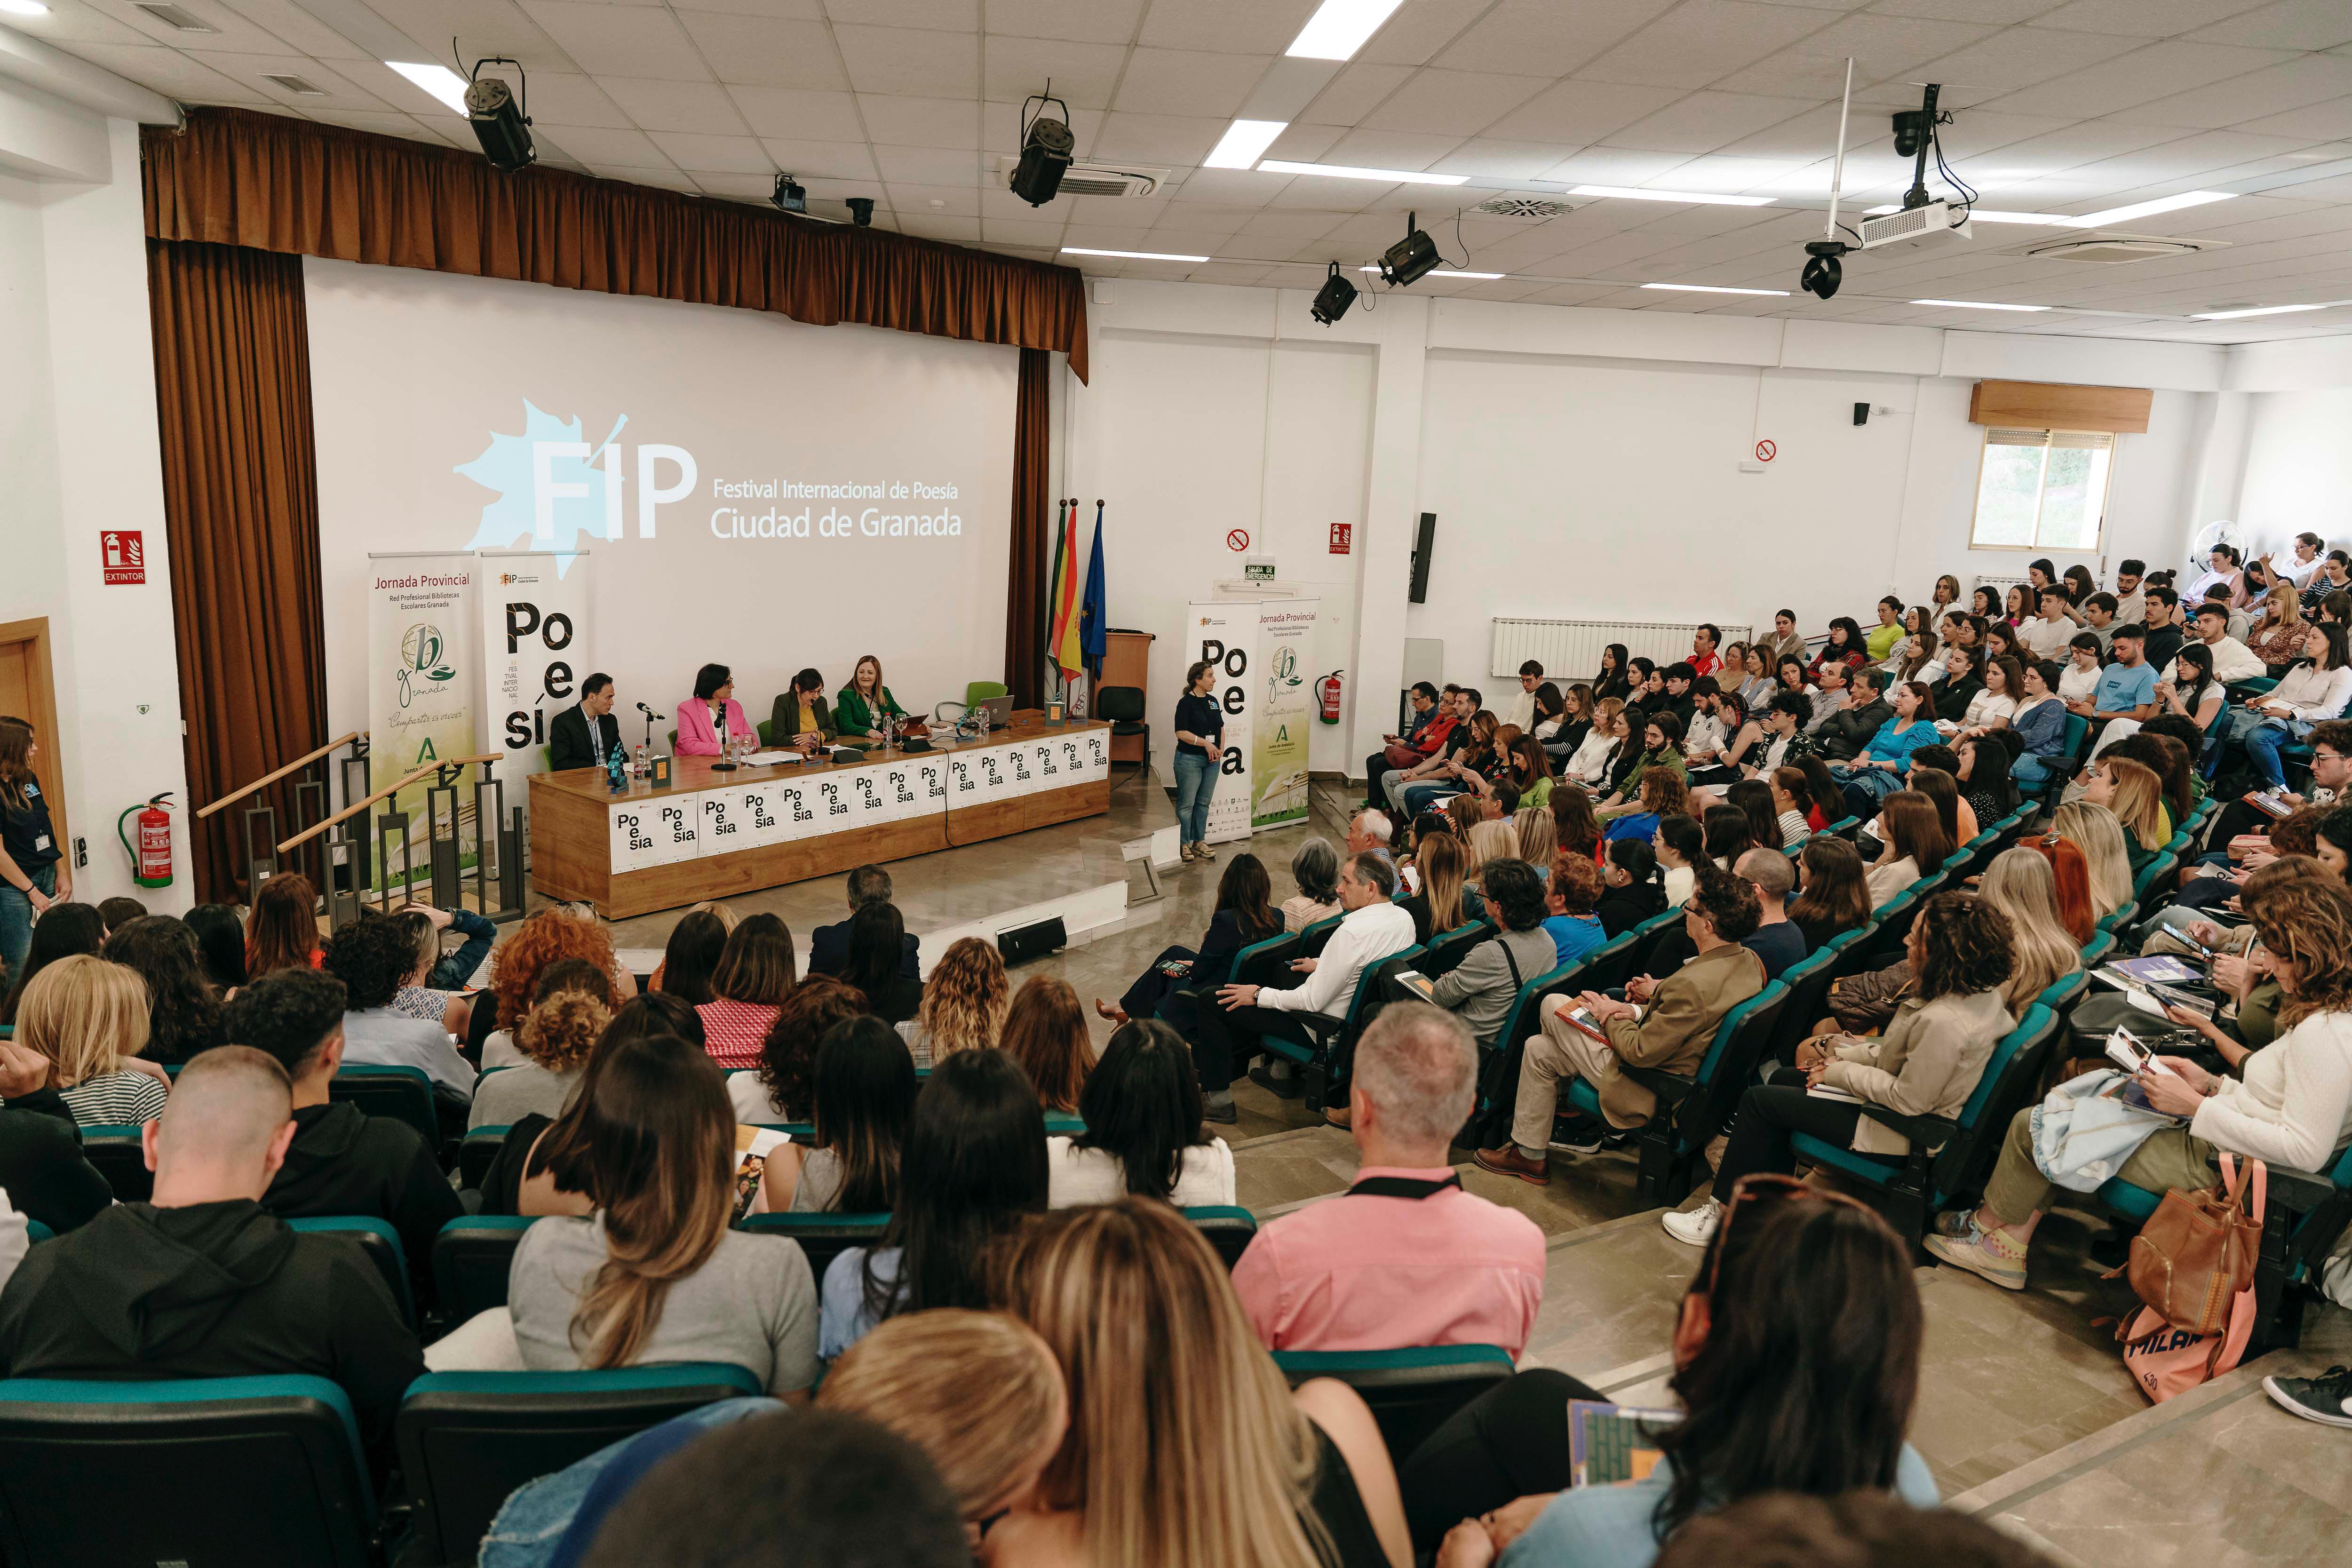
33	873
1200	747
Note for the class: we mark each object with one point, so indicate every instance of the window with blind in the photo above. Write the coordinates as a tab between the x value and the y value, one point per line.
2041	489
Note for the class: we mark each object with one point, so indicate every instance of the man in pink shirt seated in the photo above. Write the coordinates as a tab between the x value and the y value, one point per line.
1404	1257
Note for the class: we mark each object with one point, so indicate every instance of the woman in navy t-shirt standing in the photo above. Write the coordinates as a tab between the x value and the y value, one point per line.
33	873
1199	745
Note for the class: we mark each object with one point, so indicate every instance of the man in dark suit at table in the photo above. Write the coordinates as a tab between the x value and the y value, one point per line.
829	945
584	736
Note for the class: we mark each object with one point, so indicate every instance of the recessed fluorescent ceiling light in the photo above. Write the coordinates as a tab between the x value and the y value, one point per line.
1977	305
1338	28
439	81
1243	143
1630	193
1343	172
1448	272
23	7
1711	288
1990	215
1132	255
2259	311
2147	209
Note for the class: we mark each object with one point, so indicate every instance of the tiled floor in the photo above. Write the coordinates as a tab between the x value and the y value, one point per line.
2024	1412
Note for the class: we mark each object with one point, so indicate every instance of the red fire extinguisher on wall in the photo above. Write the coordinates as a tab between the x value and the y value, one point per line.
151	858
1326	693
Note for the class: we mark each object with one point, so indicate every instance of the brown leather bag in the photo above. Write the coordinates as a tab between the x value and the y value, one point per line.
1401	756
2197	1251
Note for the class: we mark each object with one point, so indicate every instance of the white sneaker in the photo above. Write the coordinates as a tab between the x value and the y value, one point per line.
1693	1228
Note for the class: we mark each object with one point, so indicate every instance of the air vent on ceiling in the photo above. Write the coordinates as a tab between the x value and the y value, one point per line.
176	18
2112	249
1097	179
1522	206
295	84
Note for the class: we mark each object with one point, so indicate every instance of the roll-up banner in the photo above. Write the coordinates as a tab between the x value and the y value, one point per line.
1280	716
536	649
1227	635
422	689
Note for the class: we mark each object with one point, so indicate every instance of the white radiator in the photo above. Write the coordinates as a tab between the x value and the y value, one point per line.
1570	650
2000	586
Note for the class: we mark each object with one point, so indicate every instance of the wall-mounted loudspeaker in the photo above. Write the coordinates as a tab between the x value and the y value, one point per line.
1425	541
1862	413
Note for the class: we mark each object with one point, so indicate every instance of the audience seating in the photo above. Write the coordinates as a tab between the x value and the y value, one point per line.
2151	879
1323	1068
2122	920
1691	1110
1808	983
199	1471
121	1159
1498	1070
1845	827
1410	1392
1647	938
2098	949
2071	754
470	1260
381	1243
1228	1228
477	1153
1950	1157
403	1093
467	1439
1449	950
1891	922
823	1236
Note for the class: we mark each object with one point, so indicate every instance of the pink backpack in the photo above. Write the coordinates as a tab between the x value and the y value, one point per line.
2166	1361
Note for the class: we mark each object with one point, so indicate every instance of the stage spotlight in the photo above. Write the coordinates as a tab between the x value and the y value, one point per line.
1046	147
1824	272
861	210
1331	301
502	128
789	196
1410	260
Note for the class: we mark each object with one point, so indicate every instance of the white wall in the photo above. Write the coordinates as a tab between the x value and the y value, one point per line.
80	452
2298	466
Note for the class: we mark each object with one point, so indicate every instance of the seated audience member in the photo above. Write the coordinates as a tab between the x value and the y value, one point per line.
64	930
1453	771
2277	639
776	1086
1779	940
1445	738
1982	778
555	1040
1725	836
1835	899
1633	889
417	997
543	941
89	1020
2126	689
2128	790
1047	1037
1854	1530
2164	632
1845	647
978	1391
220	946
2331	770
2317	688
1432	720
1405	1257
755	974
1562	718
1532	826
341	1160
1824	796
1672	1034
862	1098
1481	989
1591	763
2040	723
1185	1446
2022	885
2230	659
1842	734
42	1170
2107	862
1574	828
1788	790
519	1179
282	930
1784	639
964	1003
690	957
1781	740
1143	1135
372	956
1660	753
655	1273
1372	930
183	1010
1803	1322
973	1164
120	911
202	1280
1915	846
1571	893
1315	871
1963	681
807	1490
711	712
876	964
1882	637
829	945
1681	846
1445	902
1878	771
2292	1106
1936	779
1242	916
1927	1064
1369	830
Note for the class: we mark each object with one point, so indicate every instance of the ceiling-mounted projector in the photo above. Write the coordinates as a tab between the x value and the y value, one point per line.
1915	226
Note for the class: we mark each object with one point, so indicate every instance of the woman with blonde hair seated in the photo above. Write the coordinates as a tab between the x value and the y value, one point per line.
2022	885
1186	1446
1489	841
1538	837
2131	791
89	1019
2094	830
964	1003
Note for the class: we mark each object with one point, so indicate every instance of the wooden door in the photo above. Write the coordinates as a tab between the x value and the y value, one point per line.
25	693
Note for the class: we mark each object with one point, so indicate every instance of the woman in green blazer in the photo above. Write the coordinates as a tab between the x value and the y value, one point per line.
789	725
860	705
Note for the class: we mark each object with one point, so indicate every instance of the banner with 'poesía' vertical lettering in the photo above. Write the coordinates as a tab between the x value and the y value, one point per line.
1225	636
537	647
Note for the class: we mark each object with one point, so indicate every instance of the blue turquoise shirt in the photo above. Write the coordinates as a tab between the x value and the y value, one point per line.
1893	743
2123	688
1573	936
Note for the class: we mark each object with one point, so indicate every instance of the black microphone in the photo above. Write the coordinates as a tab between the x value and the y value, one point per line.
649	712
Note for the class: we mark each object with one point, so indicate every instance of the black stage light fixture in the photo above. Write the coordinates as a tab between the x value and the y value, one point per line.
1046	147
1410	260
861	210
502	128
1331	301
790	196
1824	272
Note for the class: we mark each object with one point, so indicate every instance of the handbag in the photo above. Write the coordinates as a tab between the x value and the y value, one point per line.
2193	1264
1401	756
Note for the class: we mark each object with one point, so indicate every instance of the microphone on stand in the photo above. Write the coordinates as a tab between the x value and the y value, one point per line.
723	765
649	712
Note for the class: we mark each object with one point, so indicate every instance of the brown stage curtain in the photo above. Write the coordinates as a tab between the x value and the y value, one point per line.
241	511
235	176
1025	585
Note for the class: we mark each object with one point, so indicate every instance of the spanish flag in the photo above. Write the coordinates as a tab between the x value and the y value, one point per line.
1062	643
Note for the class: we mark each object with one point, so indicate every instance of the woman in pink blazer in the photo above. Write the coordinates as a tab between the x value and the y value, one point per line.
697	731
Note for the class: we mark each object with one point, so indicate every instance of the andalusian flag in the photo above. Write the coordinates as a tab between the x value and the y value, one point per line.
1062	599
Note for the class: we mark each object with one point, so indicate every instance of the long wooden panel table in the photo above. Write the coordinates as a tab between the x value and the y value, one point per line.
710	834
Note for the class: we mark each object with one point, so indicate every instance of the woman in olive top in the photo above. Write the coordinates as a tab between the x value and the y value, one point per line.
801	718
860	705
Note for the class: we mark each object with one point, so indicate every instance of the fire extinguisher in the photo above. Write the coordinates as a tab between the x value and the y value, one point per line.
151	860
1327	692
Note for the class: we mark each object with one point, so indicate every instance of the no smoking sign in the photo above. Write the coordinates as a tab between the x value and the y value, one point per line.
1237	539
1766	451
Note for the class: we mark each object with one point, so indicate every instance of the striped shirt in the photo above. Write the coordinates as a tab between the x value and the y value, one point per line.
733	1032
122	1098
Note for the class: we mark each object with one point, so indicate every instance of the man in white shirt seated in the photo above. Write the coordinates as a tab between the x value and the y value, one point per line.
1523	706
2232	660
1371	929
2048	633
2131	599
